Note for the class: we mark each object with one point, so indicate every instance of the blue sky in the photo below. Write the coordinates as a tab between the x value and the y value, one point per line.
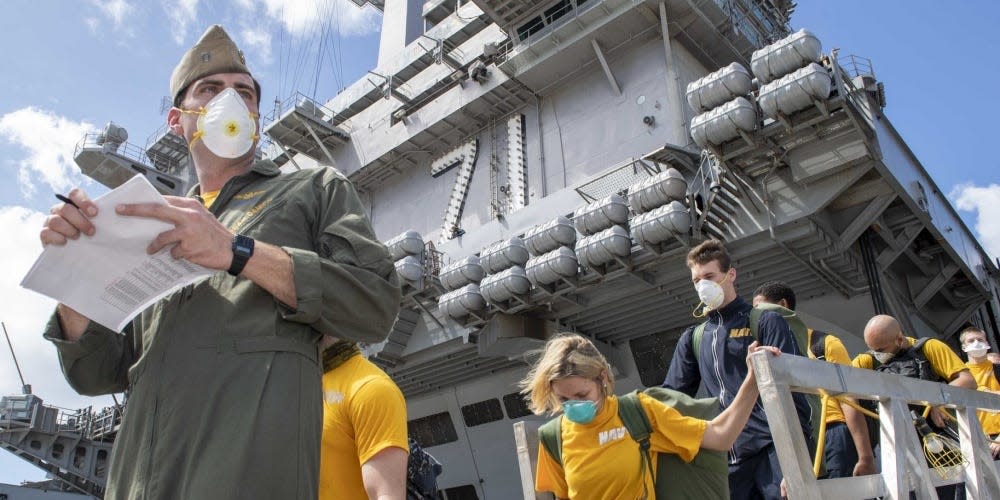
67	68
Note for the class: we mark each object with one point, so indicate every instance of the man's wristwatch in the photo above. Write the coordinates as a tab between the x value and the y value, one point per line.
242	251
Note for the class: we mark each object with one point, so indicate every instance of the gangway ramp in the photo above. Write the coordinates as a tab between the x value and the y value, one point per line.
904	468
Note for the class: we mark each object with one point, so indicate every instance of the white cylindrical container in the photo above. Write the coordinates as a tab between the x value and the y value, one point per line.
550	236
460	303
657	190
553	266
718	87
408	243
504	285
724	123
409	268
603	247
785	56
461	273
661	224
504	254
601	214
795	91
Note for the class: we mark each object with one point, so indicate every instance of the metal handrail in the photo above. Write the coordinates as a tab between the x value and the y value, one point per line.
96	140
651	168
903	466
303	103
857	66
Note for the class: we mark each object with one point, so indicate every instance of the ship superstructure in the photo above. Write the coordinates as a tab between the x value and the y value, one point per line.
537	167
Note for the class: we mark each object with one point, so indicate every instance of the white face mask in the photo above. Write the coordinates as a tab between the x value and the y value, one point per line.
976	349
226	125
882	357
711	295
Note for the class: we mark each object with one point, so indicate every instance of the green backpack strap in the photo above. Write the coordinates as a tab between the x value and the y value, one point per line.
800	332
637	424
550	435
699	332
799	329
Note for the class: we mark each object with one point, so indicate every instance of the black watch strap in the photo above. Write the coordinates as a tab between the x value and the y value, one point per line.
242	251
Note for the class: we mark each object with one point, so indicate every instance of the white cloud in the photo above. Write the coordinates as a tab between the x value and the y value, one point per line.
48	141
985	202
92	24
181	13
118	12
303	18
258	43
25	313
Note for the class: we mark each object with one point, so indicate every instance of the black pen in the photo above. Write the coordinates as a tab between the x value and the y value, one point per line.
65	199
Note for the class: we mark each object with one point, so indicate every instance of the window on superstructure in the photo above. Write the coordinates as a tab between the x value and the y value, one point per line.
482	412
515	405
432	430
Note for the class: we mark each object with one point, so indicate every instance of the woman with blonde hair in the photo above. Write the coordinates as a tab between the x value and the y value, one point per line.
599	460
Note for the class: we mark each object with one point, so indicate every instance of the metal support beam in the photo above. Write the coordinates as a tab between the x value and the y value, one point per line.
960	319
863	220
897	245
607	70
896	305
928	290
291	157
679	133
317	139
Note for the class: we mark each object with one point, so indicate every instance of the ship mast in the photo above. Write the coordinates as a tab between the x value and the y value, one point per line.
25	388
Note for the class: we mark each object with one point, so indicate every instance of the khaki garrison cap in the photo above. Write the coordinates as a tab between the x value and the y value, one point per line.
214	53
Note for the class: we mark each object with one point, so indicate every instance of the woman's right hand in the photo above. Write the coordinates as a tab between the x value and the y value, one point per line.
756	347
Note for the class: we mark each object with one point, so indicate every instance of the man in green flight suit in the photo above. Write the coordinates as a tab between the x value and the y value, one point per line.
225	398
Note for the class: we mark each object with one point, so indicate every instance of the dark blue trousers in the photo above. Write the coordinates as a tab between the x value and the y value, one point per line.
757	477
838	451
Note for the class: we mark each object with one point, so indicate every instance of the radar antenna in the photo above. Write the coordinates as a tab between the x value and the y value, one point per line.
25	388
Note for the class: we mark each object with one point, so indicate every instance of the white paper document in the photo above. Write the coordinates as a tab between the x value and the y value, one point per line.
109	277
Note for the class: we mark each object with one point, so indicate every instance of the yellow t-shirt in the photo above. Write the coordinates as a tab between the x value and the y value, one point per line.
208	198
986	380
945	363
833	352
363	413
601	460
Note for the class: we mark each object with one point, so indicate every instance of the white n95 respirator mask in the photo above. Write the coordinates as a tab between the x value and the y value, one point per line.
711	295
226	125
976	349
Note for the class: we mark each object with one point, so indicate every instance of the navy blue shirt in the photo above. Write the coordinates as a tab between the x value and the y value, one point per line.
723	367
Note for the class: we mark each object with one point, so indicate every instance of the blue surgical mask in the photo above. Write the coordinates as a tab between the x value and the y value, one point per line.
580	412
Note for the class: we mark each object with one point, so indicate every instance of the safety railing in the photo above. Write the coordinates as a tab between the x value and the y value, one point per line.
617	179
904	467
97	140
303	104
21	412
857	66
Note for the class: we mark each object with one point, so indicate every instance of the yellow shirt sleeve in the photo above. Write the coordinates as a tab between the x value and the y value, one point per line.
378	411
943	360
549	475
672	432
834	352
863	360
